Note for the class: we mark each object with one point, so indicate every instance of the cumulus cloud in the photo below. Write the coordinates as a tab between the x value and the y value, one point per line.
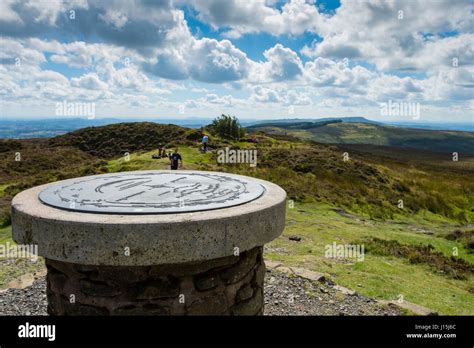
450	84
156	30
217	61
15	53
80	54
89	81
138	24
282	64
326	72
400	34
205	60
279	95
364	52
243	17
405	35
169	64
212	98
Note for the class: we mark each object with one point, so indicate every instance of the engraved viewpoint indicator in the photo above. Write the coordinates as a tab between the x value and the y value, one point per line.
152	192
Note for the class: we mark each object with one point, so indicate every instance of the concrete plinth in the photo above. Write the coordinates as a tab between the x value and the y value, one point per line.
224	286
176	258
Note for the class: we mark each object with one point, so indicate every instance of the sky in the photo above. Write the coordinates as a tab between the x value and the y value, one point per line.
258	59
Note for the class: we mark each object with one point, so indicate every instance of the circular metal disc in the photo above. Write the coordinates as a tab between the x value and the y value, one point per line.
151	192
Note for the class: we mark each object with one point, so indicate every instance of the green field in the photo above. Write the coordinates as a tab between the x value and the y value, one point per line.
381	277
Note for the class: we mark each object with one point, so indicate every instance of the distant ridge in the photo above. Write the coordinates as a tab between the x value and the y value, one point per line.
294	125
113	140
352	131
350	119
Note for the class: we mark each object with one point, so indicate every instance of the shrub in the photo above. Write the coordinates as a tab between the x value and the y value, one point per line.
227	126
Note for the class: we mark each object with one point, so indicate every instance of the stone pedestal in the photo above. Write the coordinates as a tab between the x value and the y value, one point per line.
180	260
226	286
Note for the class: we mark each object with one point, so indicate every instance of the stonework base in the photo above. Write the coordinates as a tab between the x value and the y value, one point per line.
226	286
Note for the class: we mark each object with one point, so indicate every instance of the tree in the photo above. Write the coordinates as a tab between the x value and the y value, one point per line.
227	127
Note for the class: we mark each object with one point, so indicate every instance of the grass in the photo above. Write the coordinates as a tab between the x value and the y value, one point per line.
2	189
6	235
377	276
13	269
192	159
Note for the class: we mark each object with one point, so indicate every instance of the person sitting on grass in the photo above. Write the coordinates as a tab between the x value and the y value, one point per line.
174	160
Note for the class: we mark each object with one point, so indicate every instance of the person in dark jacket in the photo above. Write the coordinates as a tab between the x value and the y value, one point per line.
175	158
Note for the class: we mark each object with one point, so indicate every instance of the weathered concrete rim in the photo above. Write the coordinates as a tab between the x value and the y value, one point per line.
99	239
47	196
36	208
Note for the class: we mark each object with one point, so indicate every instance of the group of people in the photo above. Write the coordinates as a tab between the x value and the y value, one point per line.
174	157
176	160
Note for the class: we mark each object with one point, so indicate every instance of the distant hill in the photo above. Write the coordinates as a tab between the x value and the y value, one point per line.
350	119
342	132
453	126
115	139
294	125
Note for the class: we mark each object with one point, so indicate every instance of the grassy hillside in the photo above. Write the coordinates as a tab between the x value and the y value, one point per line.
363	133
117	139
409	250
381	276
32	162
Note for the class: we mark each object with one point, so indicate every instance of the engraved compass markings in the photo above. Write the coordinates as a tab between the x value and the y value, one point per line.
152	192
127	197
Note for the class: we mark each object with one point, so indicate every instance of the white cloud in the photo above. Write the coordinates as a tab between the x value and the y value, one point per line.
212	98
391	34
283	96
130	53
450	85
80	54
243	16
7	14
115	18
397	34
282	64
216	61
89	81
15	53
326	72
265	95
205	60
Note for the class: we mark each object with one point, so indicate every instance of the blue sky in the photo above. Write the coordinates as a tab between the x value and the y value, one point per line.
250	58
